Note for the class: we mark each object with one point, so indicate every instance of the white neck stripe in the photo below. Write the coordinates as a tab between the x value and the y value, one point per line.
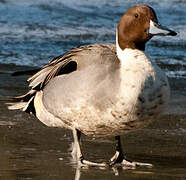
119	51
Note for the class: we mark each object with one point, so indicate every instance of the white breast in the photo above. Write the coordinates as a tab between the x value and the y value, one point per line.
144	89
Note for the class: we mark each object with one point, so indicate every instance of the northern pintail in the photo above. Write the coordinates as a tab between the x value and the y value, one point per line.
103	90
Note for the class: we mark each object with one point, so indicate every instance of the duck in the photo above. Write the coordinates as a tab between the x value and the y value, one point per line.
103	90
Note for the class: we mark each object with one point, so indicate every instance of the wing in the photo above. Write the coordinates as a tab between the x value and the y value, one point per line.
73	60
65	64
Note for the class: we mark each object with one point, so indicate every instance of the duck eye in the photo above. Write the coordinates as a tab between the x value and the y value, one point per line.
136	15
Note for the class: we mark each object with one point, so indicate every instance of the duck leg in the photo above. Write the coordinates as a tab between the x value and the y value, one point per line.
119	158
77	155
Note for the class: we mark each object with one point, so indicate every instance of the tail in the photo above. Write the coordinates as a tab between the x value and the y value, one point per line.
63	64
24	102
27	72
18	105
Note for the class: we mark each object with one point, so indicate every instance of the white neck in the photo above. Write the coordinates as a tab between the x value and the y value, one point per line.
122	54
127	54
119	51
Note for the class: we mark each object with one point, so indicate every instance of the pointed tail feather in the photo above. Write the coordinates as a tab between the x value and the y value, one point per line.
27	72
17	105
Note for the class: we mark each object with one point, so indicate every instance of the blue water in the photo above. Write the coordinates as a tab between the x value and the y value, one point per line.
33	32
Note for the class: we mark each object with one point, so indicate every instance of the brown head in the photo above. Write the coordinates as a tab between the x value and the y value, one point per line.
138	25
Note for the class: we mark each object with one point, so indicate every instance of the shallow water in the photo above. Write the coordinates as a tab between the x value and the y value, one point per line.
31	33
30	150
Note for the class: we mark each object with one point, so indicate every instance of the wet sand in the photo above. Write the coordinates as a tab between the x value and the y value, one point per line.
30	150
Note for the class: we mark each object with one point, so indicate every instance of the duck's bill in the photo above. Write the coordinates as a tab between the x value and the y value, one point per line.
157	29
